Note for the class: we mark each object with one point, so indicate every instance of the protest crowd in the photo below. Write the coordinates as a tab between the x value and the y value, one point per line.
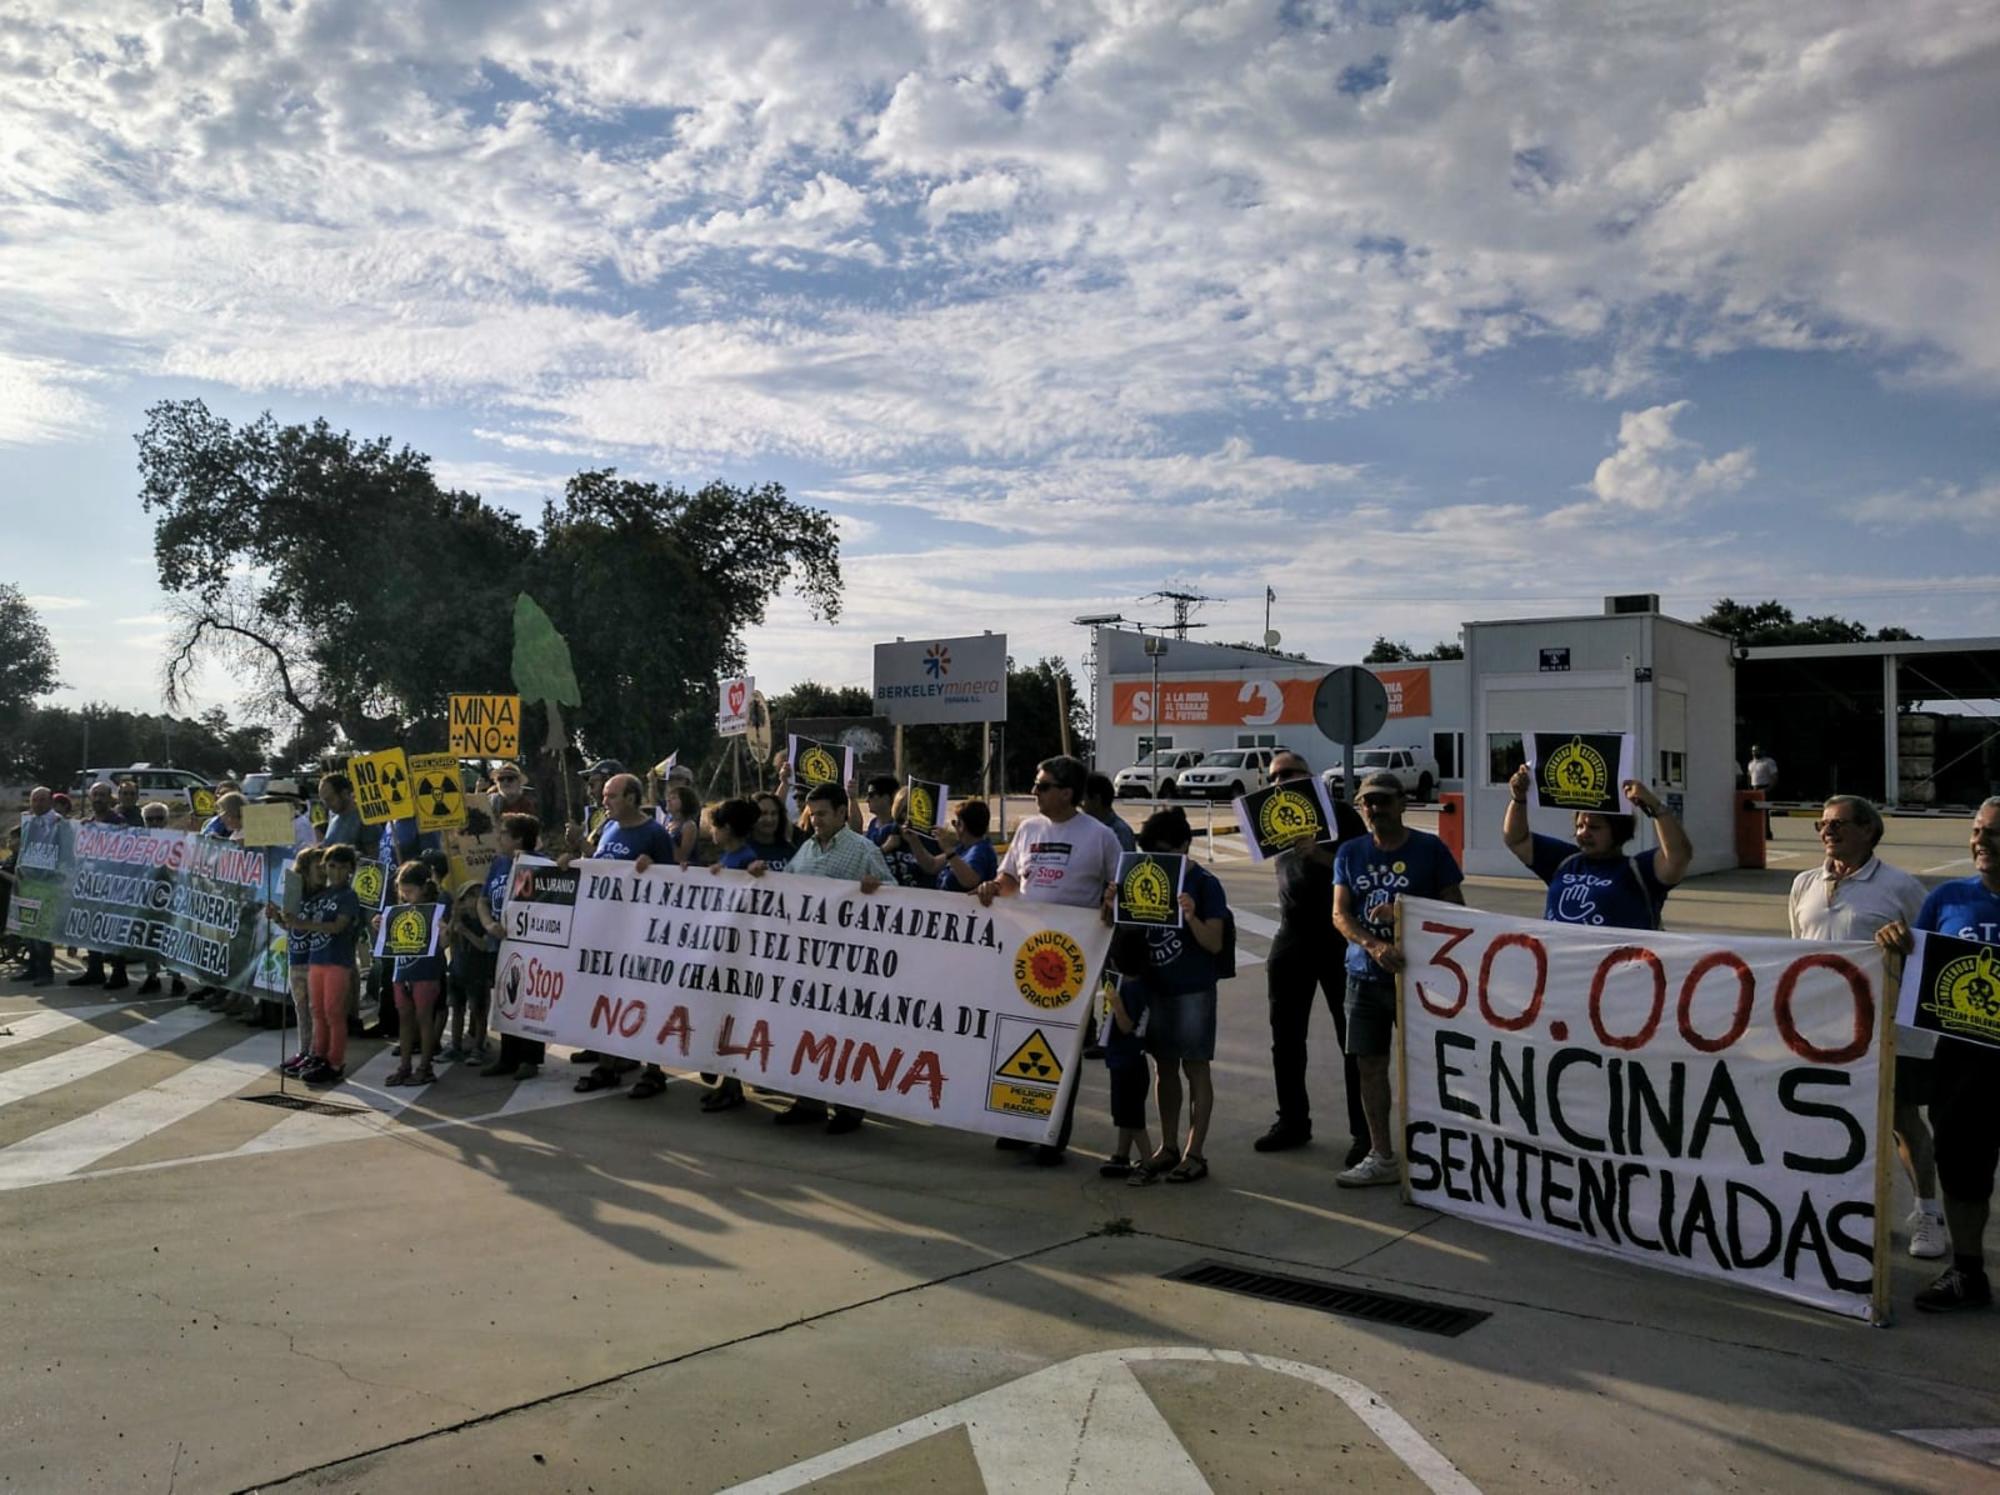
1156	1021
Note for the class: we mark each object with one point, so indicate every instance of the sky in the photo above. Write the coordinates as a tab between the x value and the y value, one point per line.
1411	311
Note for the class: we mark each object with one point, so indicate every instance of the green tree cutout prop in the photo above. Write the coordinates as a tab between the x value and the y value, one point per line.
543	672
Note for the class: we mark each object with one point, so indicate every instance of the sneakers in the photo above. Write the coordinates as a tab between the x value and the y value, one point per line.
150	985
86	979
319	1073
1928	1237
1282	1137
1954	1290
1371	1170
298	1064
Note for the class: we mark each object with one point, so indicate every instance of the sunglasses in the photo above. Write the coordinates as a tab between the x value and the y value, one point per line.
1291	773
1377	801
1045	786
1822	827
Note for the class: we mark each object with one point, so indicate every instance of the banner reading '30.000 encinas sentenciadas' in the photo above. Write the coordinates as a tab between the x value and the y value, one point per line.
904	1001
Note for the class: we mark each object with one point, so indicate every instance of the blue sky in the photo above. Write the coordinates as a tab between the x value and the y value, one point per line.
1412	312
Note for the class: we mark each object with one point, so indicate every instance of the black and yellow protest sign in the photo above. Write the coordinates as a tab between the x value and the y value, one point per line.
440	791
816	763
381	785
1952	986
201	800
1582	771
409	930
1293	812
1149	889
929	805
486	726
370	883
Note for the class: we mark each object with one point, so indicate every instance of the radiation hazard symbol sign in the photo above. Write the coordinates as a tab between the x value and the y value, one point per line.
1027	1075
1033	1060
440	792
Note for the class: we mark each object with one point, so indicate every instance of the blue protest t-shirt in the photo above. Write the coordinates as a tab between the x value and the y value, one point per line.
1614	892
1179	962
217	827
627	843
325	907
499	872
902	866
739	859
1422	867
413	968
1964	908
774	858
980	857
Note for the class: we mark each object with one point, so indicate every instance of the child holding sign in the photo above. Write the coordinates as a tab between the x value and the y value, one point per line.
416	980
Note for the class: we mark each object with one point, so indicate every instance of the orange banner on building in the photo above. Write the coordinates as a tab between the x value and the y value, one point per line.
1252	703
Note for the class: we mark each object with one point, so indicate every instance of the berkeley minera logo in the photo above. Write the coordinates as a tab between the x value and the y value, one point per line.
937	661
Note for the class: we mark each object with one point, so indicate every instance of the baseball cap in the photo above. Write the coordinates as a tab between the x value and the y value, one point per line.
605	766
1380	780
282	789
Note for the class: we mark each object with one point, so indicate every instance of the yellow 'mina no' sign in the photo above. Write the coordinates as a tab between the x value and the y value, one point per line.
486	726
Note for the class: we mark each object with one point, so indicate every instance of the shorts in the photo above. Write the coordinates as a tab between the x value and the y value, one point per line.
1181	1025
1964	1119
1371	1016
1914	1086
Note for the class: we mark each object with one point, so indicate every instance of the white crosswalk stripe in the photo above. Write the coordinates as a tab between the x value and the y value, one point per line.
24	1027
75	1145
100	1054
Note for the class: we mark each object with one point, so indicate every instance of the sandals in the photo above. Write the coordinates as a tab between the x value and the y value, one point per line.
1154	1168
647	1086
425	1076
725	1097
1115	1168
598	1079
1190	1169
400	1077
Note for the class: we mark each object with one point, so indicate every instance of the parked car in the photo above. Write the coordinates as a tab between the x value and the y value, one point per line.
185	793
1417	770
1157	775
1229	773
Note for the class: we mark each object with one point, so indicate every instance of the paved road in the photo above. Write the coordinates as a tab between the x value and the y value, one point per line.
484	1286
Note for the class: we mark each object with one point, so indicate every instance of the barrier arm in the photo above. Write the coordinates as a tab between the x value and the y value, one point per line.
1402	1063
1885	1128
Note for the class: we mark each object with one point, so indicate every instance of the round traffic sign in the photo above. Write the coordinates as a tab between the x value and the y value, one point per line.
1350	706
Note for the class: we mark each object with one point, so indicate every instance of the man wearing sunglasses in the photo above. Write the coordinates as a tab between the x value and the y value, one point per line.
1965	1077
1851	895
1058	855
1308	956
1369	874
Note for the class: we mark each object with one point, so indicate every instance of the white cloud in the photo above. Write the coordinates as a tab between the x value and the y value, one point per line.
1973	509
48	604
1655	469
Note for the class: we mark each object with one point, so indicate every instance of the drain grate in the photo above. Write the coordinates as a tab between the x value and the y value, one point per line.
1353	1302
303	1103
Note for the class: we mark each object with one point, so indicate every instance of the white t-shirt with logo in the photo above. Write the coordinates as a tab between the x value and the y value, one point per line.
1071	862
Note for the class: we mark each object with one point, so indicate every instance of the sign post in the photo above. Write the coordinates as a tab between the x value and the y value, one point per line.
1350	706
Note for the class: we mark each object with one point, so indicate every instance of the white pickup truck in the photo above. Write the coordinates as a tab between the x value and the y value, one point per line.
1230	774
1157	775
1417	770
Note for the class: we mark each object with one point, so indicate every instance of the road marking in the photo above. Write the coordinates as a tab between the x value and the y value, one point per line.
1255	923
1979	1444
1951	866
364	1088
39	1024
1087	1426
62	1150
87	1059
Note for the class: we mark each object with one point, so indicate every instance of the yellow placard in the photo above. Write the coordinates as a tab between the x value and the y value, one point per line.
1034	1061
202	801
486	726
440	791
381	785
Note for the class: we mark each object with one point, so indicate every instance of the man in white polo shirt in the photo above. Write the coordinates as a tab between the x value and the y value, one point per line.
1849	896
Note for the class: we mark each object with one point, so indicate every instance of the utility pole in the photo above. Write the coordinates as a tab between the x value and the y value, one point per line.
1269	597
1184	603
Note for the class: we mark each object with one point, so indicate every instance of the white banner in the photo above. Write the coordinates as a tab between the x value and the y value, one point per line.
1699	1103
732	713
907	1001
942	679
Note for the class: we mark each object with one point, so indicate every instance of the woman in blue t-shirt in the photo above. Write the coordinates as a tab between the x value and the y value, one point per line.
1594	882
772	835
734	822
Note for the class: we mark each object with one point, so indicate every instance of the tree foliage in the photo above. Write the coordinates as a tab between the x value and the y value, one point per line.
352	594
27	657
1395	651
51	743
1773	623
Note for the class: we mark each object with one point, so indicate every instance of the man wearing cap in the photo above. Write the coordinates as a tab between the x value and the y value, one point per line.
594	813
1369	874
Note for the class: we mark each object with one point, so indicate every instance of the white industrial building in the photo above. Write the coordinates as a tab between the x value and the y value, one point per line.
1630	669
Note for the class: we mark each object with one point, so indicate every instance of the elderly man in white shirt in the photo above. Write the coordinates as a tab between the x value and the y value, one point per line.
1852	894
